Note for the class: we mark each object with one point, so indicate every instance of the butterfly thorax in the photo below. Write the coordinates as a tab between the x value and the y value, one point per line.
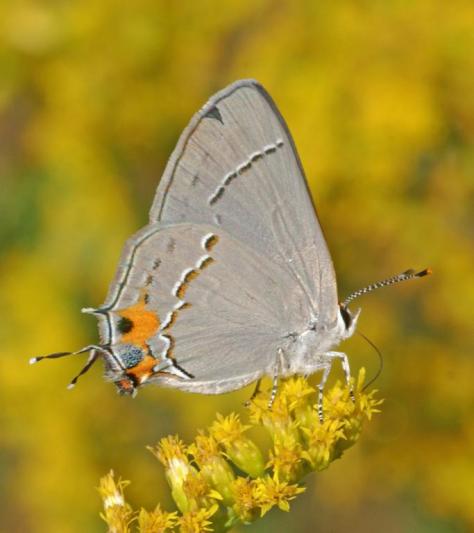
305	354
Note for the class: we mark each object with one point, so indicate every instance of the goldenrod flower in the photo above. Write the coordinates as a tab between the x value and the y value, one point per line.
269	491
196	521
245	506
156	521
190	487
171	452
223	478
117	513
212	465
286	458
321	440
242	451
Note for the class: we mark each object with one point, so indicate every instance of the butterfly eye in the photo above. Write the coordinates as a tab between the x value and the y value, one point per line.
346	316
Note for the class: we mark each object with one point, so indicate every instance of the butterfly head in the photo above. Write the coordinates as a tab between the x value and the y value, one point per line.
127	385
349	319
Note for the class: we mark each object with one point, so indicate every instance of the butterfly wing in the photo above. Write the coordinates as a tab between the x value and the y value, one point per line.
236	167
203	301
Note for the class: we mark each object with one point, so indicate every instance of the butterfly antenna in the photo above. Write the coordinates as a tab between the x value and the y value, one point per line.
404	276
94	350
380	356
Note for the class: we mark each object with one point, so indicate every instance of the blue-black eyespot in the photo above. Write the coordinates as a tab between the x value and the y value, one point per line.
131	355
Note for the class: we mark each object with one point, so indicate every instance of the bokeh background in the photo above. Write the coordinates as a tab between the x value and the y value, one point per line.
380	99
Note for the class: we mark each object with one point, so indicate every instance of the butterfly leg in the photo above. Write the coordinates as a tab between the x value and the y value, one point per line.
279	362
254	393
321	384
274	391
330	356
346	368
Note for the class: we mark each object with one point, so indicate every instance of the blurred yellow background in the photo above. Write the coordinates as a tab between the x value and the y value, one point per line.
380	99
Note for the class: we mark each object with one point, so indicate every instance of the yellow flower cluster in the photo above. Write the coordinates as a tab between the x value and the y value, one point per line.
224	478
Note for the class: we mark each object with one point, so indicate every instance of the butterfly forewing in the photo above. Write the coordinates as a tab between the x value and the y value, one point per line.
236	167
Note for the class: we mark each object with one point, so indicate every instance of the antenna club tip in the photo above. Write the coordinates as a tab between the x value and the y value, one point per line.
426	272
33	360
70	386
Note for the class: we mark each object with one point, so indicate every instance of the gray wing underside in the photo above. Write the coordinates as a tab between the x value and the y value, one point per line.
236	167
227	321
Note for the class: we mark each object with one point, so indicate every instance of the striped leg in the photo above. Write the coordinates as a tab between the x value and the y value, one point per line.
276	374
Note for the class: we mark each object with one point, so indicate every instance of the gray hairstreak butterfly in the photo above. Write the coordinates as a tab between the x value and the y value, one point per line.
231	279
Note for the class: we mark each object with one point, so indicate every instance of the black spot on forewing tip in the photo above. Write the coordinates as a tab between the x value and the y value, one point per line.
215	114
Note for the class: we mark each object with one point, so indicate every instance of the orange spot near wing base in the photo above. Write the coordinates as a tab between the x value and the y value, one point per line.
145	324
144	369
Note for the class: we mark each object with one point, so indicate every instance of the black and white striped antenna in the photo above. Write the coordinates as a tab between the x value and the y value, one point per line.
404	276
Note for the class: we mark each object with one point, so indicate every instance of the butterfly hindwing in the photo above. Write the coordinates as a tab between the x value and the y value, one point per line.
193	294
